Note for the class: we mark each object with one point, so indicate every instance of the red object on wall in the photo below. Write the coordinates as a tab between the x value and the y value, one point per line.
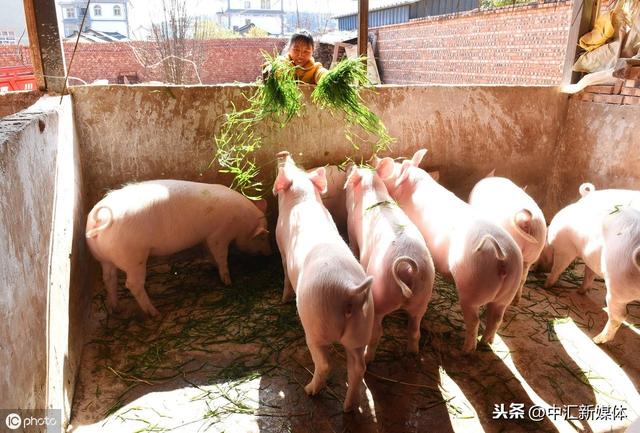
17	78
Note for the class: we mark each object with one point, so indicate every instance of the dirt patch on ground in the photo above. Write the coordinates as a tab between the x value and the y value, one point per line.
234	359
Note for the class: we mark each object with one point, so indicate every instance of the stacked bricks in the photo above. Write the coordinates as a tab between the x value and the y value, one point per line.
521	45
625	91
512	45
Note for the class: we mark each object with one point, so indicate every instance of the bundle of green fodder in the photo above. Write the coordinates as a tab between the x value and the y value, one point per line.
278	99
339	91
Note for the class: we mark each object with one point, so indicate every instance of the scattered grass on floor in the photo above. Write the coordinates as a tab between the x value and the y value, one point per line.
215	339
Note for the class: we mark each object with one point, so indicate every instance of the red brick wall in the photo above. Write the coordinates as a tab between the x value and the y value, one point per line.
218	60
522	45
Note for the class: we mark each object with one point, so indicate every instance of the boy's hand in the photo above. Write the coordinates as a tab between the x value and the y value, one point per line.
266	72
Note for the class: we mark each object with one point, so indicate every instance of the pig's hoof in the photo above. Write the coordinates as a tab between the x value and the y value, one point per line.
487	342
226	279
469	347
312	389
349	406
286	297
113	309
582	291
600	338
152	311
413	347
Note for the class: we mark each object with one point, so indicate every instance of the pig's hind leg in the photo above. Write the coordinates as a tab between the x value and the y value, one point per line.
287	291
616	312
219	251
110	279
561	260
470	314
136	276
523	281
355	371
587	280
413	331
320	356
375	339
495	313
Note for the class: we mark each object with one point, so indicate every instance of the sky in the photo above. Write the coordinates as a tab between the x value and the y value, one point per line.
143	12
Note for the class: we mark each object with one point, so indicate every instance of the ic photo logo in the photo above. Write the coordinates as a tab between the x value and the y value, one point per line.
13	421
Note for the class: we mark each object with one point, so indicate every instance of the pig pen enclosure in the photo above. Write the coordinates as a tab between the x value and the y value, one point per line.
233	358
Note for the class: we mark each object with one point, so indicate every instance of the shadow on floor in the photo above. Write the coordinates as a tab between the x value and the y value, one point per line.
234	359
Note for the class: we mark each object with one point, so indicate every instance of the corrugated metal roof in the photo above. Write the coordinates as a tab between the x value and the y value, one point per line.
337	36
375	5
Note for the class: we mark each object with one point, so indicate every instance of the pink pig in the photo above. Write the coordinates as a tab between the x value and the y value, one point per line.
162	217
334	197
602	228
576	231
620	266
503	202
482	258
392	251
332	291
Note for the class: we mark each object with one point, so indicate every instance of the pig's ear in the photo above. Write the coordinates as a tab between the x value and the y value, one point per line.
417	157
404	171
385	167
259	231
261	204
283	181
353	177
636	257
492	173
319	179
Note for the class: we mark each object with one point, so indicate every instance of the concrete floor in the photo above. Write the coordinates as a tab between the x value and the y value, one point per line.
234	359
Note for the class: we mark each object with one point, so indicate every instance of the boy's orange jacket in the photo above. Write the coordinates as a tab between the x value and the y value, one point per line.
311	72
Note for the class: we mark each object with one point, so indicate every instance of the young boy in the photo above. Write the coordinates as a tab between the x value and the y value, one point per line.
300	55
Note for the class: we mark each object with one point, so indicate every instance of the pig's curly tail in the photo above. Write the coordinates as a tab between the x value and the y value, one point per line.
94	216
586	188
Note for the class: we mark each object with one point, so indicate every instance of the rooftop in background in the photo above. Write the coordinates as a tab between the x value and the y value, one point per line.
91	35
375	5
385	12
338	36
13	27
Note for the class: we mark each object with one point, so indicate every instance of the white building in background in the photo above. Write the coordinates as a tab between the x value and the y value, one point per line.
267	15
107	16
13	27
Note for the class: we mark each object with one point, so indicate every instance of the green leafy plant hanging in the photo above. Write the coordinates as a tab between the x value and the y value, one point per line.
339	91
276	99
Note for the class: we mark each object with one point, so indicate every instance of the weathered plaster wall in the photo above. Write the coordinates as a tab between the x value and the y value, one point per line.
69	293
138	133
49	177
599	143
43	294
27	189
